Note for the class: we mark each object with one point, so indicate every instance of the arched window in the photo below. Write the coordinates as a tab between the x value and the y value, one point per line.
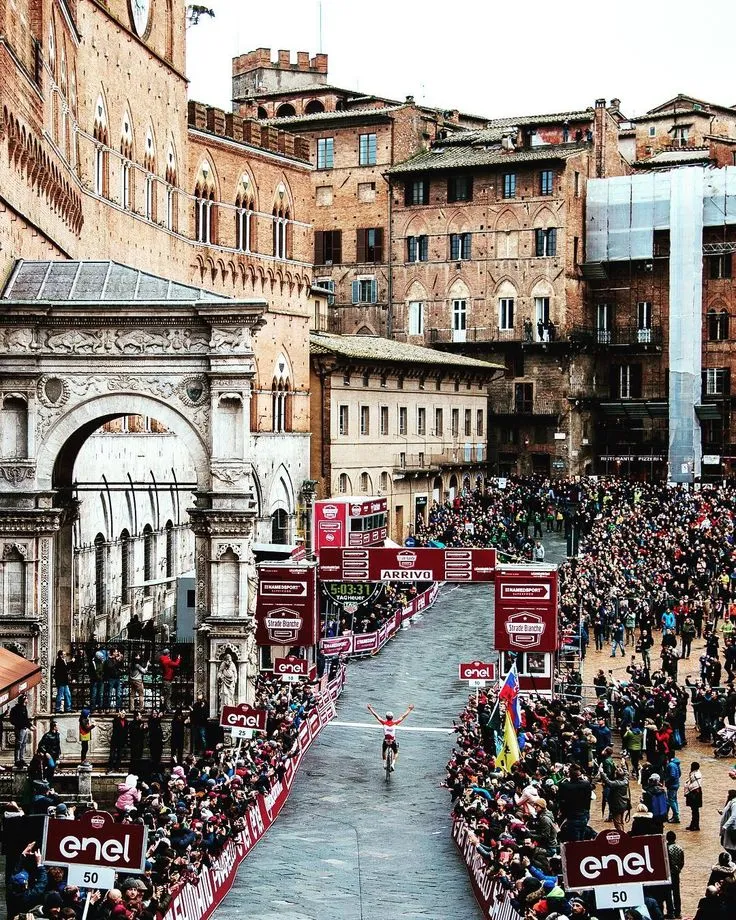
718	323
14	428
244	215
281	396
365	484
149	162
507	236
170	549
100	133
126	165
286	110
171	182
204	205
543	318
100	575
148	560
343	484
506	294
280	232
125	553
262	113
313	107
279	526
384	482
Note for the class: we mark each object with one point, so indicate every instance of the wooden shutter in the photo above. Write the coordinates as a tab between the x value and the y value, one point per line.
552	241
411	249
424	248
467	244
615	381
337	247
319	247
356	291
407	192
727	379
452	189
360	246
469	184
425	191
454	247
378	247
539	242
636	381
703	386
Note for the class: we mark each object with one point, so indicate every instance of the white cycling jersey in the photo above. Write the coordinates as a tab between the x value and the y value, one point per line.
389	730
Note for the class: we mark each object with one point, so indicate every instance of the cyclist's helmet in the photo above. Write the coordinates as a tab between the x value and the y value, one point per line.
389	715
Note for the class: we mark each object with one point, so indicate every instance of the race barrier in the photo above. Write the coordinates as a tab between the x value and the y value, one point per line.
357	645
197	900
493	898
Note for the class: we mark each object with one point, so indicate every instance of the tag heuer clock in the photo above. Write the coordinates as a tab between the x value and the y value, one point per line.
141	13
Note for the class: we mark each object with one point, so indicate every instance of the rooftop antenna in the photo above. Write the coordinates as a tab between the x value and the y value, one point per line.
319	13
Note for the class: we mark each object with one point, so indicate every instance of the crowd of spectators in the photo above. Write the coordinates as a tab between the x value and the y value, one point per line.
192	808
657	569
370	616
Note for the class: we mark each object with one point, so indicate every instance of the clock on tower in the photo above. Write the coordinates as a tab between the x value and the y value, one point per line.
140	11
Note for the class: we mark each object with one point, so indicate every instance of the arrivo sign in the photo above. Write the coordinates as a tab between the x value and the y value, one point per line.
477	670
94	840
291	665
407	564
614	858
243	716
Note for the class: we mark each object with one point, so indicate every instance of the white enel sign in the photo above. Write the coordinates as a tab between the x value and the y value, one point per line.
477	684
291	678
91	877
619	896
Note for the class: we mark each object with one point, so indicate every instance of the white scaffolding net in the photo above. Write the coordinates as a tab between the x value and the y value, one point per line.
686	311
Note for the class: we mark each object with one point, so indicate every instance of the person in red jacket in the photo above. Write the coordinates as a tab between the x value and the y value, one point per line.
169	667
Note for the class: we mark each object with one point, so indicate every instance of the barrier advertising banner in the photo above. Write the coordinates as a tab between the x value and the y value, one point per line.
198	901
526	608
494	900
286	610
407	564
370	643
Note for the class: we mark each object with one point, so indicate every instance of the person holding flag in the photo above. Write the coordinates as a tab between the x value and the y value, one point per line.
509	693
509	754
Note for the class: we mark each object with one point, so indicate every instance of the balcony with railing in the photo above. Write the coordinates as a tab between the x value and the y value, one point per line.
517	404
458	455
620	336
483	335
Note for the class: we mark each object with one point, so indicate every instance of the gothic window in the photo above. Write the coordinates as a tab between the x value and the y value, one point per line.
244	215
100	166
280	526
148	558
205	230
100	575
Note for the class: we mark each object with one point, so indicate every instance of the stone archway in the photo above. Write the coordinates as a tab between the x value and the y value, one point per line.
127	343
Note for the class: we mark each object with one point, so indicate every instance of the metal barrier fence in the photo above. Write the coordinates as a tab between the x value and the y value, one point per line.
99	675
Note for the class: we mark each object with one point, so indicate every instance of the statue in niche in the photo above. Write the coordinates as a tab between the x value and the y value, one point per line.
252	576
227	681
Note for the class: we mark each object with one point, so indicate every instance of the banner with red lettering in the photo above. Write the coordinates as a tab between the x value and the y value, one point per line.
198	901
494	900
357	644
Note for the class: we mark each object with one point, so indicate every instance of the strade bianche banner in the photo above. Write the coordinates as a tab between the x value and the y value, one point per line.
198	901
493	899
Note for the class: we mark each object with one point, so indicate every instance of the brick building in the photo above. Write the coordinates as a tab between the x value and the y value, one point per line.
488	252
102	156
354	139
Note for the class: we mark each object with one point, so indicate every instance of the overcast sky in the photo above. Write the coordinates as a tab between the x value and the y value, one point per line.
495	59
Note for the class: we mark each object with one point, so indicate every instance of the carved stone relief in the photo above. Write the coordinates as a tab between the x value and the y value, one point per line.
111	341
17	472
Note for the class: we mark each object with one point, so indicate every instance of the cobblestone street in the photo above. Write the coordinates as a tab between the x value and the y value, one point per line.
347	845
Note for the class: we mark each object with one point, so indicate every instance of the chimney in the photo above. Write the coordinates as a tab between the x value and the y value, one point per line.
409	100
507	141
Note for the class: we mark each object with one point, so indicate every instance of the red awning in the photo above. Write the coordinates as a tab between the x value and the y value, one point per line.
16	675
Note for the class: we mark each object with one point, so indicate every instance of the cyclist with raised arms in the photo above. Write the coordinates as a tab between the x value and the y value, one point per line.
389	730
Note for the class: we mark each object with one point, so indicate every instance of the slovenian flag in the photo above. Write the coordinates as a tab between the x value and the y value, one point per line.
509	693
